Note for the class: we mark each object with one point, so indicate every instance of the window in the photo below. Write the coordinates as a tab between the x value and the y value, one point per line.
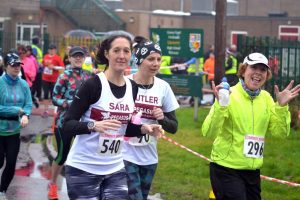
25	32
287	32
234	36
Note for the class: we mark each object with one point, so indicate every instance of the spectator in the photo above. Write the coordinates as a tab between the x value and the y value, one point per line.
231	67
209	67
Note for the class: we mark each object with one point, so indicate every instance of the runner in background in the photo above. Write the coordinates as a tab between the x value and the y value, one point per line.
38	53
99	117
15	108
31	56
28	65
64	91
66	56
50	74
241	127
157	104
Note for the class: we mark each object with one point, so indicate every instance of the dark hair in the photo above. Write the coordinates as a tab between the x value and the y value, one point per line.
105	46
13	50
35	40
29	48
22	48
139	40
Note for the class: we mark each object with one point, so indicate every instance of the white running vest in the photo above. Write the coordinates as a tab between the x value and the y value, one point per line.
143	150
100	153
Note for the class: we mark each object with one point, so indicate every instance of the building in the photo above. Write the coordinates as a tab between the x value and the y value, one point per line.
20	20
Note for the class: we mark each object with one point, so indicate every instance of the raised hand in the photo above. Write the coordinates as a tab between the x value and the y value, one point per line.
287	94
216	89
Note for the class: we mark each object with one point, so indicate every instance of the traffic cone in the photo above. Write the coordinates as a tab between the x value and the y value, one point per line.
211	195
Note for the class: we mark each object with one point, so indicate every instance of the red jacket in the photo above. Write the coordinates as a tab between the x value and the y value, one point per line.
49	74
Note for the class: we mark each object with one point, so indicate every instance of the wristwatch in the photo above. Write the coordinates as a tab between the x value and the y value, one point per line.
91	125
23	115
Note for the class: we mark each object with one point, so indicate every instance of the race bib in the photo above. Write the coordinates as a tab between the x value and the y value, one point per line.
48	71
254	146
110	145
140	141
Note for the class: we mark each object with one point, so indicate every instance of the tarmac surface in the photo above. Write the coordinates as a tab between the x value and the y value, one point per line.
33	165
36	152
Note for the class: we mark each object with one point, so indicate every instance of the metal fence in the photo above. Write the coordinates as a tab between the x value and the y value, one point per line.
9	41
284	58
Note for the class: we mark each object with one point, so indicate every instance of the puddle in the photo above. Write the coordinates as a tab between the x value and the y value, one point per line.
33	160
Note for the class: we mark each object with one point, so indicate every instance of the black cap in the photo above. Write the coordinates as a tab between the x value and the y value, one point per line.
76	49
52	46
11	59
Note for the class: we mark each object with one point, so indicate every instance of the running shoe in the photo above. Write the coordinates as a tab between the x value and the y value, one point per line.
52	191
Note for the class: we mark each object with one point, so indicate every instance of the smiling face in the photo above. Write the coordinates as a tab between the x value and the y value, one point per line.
150	66
77	60
255	76
119	54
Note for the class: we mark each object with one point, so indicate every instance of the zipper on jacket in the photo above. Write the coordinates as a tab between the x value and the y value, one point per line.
252	115
251	98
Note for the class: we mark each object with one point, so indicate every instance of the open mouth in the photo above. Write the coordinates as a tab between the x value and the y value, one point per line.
256	80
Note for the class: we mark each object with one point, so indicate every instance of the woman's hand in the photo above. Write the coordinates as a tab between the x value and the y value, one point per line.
287	94
158	114
216	89
24	121
152	129
107	125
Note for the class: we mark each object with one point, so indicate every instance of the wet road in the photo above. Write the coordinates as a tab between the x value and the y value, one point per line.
33	165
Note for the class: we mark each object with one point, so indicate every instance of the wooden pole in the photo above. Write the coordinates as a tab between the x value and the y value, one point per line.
220	39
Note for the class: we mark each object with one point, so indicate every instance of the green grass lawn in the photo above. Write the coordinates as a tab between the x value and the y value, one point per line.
184	176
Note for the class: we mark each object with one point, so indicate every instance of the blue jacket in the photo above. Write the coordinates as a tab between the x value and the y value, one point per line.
15	95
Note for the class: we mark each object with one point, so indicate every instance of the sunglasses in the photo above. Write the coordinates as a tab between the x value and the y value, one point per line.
16	65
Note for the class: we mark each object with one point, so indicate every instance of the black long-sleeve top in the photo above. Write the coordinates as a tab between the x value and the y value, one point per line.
89	93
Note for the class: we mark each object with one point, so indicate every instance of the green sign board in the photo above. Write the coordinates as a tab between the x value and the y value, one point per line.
179	42
186	85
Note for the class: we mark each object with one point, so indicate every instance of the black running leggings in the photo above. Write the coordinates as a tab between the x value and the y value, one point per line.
63	146
9	149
